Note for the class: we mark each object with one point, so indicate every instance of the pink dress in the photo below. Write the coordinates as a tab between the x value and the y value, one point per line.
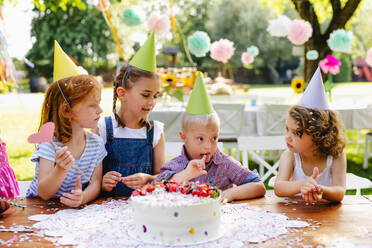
8	182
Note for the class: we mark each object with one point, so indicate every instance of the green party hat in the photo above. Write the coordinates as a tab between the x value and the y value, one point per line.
199	103
145	58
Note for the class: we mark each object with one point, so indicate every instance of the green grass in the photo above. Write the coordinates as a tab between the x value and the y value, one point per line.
20	116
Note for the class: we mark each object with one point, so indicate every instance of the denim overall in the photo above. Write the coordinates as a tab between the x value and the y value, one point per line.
127	156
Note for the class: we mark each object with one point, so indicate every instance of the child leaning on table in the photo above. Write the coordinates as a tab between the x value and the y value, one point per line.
72	104
135	145
201	160
314	164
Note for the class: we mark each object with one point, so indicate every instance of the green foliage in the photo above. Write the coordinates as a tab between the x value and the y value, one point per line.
238	23
362	31
54	5
82	33
345	69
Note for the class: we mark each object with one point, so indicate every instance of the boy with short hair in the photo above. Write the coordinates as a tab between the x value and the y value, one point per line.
201	160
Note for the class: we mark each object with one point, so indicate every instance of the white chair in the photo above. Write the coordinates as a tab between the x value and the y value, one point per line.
352	182
367	153
249	145
274	119
173	149
231	118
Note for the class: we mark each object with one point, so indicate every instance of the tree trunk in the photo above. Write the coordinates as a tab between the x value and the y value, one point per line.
311	65
318	41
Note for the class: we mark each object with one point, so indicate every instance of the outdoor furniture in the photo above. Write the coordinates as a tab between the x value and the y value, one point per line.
347	221
231	120
367	153
352	182
249	145
353	118
274	119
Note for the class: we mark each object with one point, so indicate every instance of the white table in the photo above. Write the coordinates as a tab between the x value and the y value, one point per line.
353	117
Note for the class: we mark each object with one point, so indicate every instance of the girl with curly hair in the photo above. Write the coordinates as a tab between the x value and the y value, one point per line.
314	164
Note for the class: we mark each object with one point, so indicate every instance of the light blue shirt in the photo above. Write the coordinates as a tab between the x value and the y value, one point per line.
94	153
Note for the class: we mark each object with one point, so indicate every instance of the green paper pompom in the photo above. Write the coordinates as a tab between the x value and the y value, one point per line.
199	43
131	17
340	40
253	50
312	55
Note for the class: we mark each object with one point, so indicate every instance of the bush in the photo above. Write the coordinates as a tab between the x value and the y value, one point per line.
345	69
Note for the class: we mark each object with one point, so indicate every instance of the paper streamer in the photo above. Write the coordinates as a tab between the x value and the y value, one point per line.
108	19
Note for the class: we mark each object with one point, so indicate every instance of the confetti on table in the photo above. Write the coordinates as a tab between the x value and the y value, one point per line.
107	225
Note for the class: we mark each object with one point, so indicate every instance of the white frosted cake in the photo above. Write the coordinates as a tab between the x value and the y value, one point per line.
174	213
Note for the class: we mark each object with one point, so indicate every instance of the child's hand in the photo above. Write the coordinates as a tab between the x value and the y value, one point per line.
136	181
314	195
110	179
4	205
75	199
311	191
226	196
196	167
64	158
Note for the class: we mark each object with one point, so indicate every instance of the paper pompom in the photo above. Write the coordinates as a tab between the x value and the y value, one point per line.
340	40
159	24
222	50
247	58
105	2
330	64
312	55
369	57
253	50
279	27
132	17
299	32
199	43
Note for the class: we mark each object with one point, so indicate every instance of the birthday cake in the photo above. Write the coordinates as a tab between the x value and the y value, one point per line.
176	213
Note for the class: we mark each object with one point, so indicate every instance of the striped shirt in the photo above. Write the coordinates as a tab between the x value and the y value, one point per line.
223	171
94	153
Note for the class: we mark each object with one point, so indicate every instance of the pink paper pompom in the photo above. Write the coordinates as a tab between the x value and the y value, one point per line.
100	7
222	50
330	64
369	57
299	32
247	58
159	24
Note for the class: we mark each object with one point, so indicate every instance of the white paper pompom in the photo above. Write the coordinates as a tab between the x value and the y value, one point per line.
279	27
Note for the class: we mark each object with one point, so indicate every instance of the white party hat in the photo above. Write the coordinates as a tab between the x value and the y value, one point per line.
315	96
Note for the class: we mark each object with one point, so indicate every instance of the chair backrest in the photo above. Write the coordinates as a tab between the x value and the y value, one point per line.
251	144
173	149
231	117
254	143
274	119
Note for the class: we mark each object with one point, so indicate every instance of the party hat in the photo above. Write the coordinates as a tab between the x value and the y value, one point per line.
63	65
145	58
199	103
314	96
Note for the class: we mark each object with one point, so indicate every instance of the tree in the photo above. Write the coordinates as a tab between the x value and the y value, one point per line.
245	22
340	16
82	33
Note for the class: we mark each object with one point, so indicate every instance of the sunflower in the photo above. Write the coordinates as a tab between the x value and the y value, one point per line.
298	85
169	79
